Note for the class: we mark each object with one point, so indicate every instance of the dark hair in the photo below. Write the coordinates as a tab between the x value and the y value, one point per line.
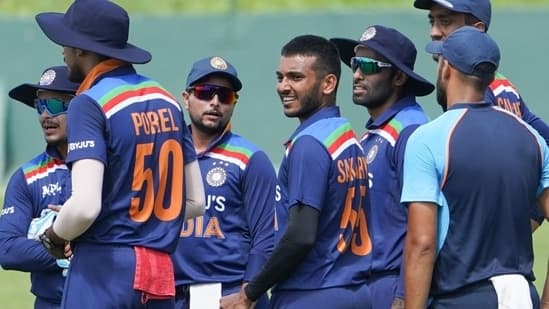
484	74
471	20
325	52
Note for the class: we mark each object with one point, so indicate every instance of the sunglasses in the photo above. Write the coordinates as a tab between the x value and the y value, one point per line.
53	106
367	65
207	92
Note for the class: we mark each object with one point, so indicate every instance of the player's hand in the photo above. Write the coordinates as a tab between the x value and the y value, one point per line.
237	301
55	245
55	208
398	303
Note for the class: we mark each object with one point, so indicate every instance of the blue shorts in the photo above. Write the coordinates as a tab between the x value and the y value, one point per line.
346	297
182	296
101	276
481	295
383	289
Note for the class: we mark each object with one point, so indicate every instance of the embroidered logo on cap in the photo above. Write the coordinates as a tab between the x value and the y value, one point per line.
47	78
218	63
368	34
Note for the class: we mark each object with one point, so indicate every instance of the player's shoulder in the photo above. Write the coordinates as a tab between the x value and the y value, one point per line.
411	115
238	141
439	126
40	166
502	86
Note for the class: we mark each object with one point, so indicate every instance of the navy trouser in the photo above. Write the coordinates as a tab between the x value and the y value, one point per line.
480	295
383	289
44	303
182	296
346	297
101	276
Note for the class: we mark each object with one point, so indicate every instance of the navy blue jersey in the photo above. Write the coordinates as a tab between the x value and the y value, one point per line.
324	167
136	128
483	166
505	95
37	183
234	238
384	144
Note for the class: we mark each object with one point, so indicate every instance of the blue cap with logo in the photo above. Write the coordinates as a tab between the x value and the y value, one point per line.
398	49
213	65
467	48
54	78
481	9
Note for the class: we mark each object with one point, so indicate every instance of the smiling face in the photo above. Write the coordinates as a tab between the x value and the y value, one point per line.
298	86
209	116
54	127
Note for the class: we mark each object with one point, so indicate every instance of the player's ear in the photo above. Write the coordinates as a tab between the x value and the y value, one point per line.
185	95
329	84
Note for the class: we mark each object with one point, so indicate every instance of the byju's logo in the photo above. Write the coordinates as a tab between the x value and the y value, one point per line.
81	145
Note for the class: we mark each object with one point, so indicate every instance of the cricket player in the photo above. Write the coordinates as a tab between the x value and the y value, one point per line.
37	187
324	254
469	243
384	81
133	167
234	238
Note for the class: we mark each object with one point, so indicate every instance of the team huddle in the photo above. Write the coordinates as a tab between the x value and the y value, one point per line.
131	207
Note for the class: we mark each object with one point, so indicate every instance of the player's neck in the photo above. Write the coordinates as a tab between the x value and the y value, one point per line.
201	140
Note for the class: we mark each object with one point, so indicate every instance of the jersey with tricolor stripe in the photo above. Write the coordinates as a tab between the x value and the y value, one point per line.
234	238
136	128
384	143
504	94
42	181
324	167
483	188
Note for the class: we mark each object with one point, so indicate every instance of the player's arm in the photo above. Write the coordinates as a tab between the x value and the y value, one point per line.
421	193
419	253
82	208
195	198
307	161
545	296
293	247
17	252
258	186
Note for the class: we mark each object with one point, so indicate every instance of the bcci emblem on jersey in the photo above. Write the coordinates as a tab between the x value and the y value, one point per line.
371	154
216	177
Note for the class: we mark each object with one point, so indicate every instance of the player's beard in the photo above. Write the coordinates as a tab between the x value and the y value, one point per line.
310	103
374	98
442	99
76	75
209	128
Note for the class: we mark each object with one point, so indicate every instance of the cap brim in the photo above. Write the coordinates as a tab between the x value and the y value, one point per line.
346	48
26	93
237	84
434	47
423	4
55	29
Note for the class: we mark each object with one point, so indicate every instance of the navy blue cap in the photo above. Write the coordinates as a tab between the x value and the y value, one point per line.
481	9
465	49
53	79
99	26
213	65
394	46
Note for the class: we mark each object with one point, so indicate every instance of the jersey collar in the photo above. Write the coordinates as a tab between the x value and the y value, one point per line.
391	112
